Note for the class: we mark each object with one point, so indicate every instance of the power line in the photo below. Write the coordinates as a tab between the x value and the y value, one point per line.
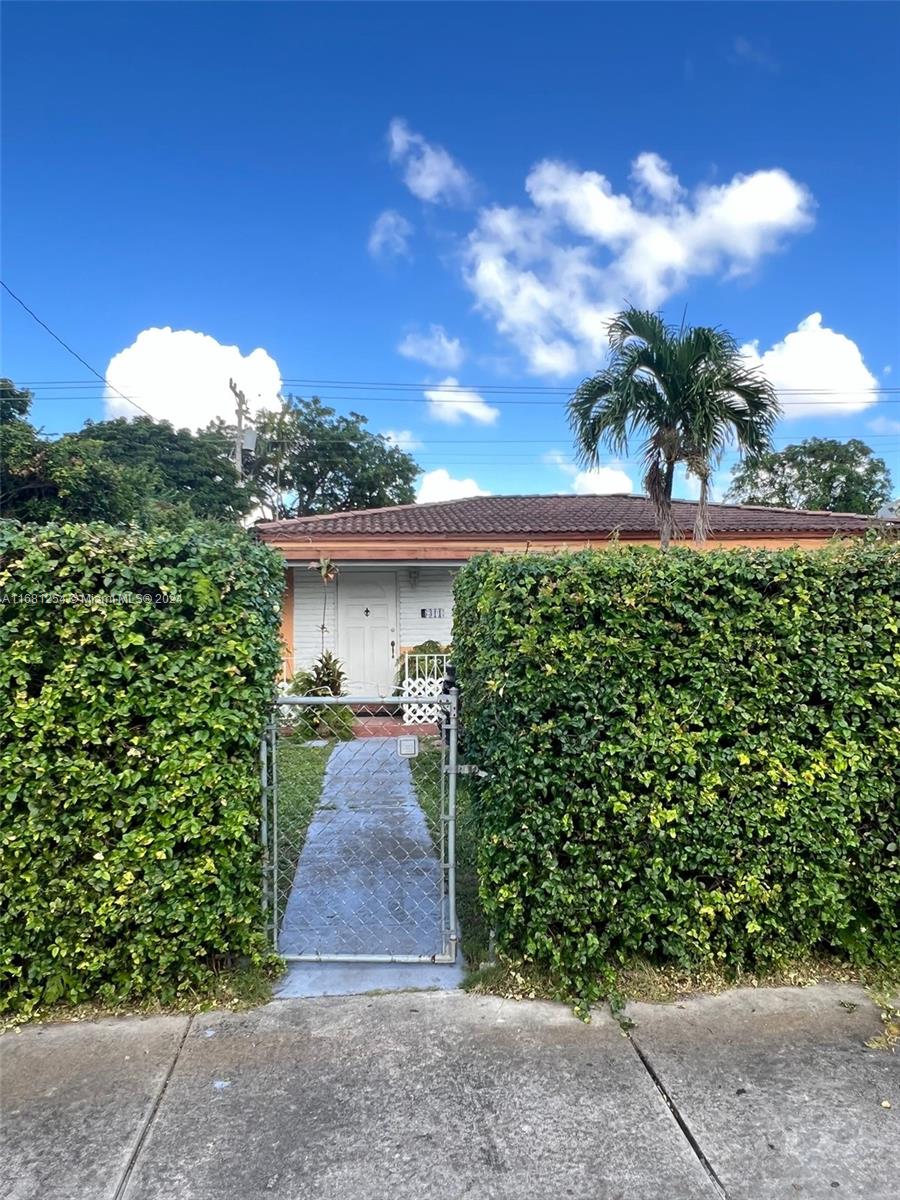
450	399
504	388
450	391
550	388
328	450
490	447
74	353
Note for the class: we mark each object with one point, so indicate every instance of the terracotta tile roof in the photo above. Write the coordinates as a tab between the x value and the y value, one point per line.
564	515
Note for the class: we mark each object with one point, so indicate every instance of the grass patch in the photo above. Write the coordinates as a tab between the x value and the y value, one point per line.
426	770
300	772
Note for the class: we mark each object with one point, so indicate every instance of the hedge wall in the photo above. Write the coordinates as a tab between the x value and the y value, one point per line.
129	760
690	756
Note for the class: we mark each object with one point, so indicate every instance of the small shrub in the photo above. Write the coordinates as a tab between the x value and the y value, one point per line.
326	677
430	647
691	757
417	670
316	721
337	722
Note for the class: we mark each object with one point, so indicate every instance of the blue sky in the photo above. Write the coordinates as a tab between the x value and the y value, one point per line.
407	194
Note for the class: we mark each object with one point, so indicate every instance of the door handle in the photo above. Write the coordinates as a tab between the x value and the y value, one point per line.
393	644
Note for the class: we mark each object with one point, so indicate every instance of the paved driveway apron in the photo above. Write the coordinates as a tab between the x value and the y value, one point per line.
369	878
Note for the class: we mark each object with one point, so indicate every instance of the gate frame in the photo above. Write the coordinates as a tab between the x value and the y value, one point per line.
268	753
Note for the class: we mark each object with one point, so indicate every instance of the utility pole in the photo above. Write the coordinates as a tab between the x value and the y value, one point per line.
241	411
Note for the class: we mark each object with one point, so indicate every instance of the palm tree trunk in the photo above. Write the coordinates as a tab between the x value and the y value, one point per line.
701	522
666	524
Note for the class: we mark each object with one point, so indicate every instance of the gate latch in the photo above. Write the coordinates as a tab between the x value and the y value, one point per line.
470	769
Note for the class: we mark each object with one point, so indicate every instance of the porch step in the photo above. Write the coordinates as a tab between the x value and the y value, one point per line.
389	727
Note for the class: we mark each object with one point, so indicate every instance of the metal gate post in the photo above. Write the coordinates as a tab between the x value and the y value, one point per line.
273	875
452	762
264	819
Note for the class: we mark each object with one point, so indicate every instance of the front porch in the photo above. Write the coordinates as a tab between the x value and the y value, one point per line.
371	617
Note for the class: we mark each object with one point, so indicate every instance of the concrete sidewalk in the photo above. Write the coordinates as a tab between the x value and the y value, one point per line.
753	1095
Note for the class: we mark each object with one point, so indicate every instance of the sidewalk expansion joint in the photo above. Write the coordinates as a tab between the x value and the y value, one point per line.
135	1154
679	1120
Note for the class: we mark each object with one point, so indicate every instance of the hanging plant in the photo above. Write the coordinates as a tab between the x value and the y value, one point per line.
328	571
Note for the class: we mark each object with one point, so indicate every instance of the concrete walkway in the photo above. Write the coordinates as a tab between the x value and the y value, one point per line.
756	1095
369	879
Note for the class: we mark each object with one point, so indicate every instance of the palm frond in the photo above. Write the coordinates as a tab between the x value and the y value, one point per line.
648	327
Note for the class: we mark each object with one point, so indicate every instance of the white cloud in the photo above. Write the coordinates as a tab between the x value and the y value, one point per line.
686	486
436	348
602	481
720	483
884	425
390	235
404	438
450	403
429	171
182	376
556	458
655	176
816	370
440	485
550	275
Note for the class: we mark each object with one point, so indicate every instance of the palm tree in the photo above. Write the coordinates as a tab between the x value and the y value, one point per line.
687	391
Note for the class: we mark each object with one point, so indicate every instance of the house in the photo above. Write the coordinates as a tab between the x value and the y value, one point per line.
394	587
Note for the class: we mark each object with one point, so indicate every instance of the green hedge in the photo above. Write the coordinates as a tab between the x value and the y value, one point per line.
129	761
690	757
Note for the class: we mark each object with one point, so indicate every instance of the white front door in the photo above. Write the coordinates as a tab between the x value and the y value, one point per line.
367	631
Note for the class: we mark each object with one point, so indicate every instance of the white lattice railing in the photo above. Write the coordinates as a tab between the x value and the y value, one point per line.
423	675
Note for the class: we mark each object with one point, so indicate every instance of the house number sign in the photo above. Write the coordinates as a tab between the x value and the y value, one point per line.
431	613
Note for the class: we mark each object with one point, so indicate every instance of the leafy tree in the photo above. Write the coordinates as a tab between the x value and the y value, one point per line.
309	460
116	471
73	481
191	469
19	441
15	402
687	392
819	473
42	480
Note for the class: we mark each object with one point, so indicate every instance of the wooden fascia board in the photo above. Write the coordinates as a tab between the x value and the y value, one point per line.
385	548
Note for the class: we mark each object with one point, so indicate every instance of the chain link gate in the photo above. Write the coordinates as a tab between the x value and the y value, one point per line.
358	828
